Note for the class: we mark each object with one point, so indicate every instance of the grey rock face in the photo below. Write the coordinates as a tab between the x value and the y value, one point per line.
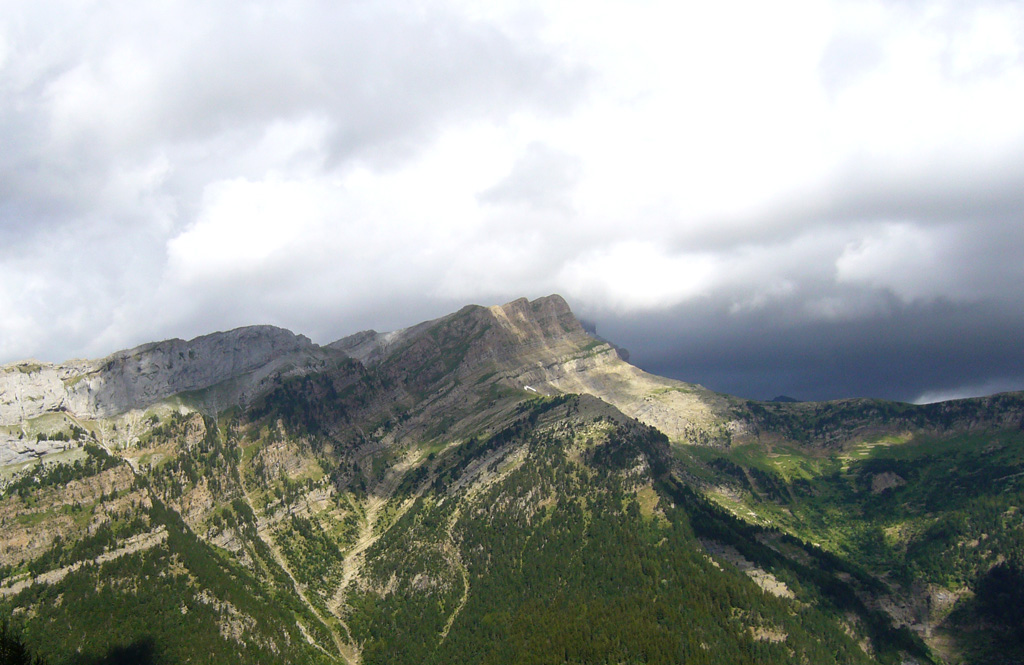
362	345
29	389
14	450
138	377
370	347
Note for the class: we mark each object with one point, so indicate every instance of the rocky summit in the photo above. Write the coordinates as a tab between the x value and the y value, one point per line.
492	486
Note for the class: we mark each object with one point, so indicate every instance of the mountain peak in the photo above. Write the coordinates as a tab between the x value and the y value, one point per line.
537	346
547	316
524	319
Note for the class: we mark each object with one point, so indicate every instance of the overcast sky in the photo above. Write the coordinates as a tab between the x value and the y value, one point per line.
818	199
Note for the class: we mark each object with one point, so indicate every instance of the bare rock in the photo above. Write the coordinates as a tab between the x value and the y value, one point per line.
139	377
885	481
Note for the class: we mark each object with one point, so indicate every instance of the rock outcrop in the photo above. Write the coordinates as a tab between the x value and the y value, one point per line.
139	377
536	346
370	347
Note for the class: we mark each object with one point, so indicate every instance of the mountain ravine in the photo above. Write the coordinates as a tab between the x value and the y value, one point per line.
493	486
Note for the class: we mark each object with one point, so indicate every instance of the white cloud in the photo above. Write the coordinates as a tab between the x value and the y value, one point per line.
541	179
5	47
308	162
244	227
911	262
637	275
969	390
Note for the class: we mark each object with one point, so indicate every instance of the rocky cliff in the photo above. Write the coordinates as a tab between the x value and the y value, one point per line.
138	377
535	346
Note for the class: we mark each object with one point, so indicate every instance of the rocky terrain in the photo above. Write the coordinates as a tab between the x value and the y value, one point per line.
467	488
139	377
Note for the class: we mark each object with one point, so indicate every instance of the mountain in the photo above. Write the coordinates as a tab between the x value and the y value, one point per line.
496	485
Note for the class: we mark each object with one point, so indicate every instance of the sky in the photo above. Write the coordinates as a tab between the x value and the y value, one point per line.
821	199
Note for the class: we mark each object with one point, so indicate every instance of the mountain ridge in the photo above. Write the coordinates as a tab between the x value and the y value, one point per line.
453	491
531	345
525	332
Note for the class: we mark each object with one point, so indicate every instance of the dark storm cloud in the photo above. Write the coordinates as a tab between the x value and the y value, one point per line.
903	353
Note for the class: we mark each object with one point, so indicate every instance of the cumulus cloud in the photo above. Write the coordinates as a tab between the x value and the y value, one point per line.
769	177
542	178
245	228
638	276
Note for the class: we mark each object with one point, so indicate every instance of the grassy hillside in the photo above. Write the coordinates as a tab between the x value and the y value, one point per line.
560	535
934	515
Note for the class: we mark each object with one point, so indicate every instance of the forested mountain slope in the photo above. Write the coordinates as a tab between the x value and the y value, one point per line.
492	486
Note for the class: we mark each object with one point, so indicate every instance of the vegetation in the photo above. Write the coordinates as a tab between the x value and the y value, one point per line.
937	511
428	510
558	564
13	650
49	475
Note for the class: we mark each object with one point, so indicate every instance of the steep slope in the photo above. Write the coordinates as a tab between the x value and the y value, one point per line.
540	347
138	377
230	368
563	538
491	486
926	499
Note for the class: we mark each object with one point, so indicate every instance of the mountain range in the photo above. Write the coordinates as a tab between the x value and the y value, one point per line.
496	485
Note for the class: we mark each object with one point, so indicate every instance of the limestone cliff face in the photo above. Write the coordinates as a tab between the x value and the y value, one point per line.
484	333
146	374
444	366
138	377
371	347
29	389
555	355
